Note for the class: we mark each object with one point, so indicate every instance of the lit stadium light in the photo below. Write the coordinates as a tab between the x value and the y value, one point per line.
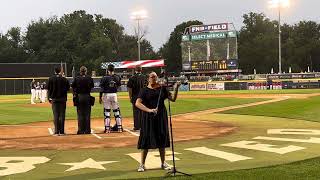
139	15
279	3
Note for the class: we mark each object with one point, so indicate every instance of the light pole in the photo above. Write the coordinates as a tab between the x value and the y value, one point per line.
279	4
234	28
139	16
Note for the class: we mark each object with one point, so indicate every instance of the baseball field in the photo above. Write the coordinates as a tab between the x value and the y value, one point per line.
262	134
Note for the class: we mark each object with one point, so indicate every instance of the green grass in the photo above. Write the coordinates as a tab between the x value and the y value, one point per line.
297	165
307	109
19	112
306	169
190	162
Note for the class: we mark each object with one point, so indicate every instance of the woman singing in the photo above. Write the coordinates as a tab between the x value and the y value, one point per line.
154	133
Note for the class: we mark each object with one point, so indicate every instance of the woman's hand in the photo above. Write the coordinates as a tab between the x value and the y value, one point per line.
155	111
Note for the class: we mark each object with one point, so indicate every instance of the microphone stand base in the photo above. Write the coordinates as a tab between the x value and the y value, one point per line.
174	171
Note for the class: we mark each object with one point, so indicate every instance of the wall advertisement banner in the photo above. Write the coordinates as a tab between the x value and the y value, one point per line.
215	86
198	86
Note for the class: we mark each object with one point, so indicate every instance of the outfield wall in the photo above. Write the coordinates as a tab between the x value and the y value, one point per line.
253	85
13	86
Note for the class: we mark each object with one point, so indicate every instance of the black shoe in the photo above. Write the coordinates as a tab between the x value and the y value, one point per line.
114	128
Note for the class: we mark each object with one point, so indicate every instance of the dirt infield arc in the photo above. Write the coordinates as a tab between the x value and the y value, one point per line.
37	135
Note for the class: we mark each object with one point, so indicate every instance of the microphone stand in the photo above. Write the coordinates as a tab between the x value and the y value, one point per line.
174	170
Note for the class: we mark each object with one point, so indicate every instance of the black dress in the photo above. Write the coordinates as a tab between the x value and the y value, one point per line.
154	132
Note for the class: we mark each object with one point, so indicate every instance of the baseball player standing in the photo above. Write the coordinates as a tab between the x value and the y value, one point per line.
43	96
33	91
38	91
108	95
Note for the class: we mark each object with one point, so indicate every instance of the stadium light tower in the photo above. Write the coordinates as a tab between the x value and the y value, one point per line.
139	16
279	4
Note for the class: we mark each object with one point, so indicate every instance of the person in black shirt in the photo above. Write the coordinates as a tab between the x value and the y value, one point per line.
82	86
135	84
154	132
108	95
58	88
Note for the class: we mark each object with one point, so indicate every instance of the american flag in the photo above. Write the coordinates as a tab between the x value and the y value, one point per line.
133	64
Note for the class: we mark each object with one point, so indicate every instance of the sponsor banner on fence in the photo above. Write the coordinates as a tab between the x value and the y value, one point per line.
293	76
215	86
198	86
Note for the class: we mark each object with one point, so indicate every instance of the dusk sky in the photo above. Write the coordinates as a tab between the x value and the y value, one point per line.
164	15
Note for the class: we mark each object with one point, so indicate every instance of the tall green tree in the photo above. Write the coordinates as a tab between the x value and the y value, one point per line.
258	44
171	50
11	47
81	39
304	46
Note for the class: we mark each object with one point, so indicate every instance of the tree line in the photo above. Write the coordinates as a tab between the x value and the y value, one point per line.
80	38
77	39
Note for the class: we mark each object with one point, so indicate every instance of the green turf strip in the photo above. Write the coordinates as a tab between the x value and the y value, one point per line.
307	109
306	169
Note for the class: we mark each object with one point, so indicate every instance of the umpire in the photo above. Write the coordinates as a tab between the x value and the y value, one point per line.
58	87
82	86
137	82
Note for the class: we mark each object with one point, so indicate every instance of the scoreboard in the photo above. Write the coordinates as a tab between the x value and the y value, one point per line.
209	65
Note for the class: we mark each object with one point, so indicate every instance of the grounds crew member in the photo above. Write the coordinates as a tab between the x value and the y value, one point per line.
137	82
108	95
33	91
58	87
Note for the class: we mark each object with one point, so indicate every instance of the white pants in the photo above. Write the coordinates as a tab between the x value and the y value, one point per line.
43	95
110	101
33	95
38	94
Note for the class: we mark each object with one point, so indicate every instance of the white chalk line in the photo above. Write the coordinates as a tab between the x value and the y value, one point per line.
133	133
95	135
50	131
